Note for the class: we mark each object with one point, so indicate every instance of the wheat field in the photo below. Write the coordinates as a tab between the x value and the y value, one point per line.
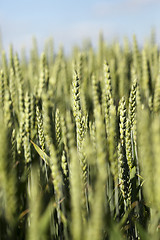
80	143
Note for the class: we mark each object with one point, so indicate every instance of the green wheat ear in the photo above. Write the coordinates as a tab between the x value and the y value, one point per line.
128	141
132	104
112	140
43	77
76	95
107	100
2	90
57	127
146	76
122	125
64	164
28	115
156	103
40	128
27	149
124	175
5	69
12	88
8	109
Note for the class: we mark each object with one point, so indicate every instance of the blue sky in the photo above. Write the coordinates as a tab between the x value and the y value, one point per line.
69	22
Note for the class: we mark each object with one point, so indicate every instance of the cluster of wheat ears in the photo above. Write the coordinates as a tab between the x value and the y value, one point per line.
80	143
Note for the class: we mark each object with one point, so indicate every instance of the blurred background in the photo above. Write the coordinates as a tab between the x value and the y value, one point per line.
71	22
